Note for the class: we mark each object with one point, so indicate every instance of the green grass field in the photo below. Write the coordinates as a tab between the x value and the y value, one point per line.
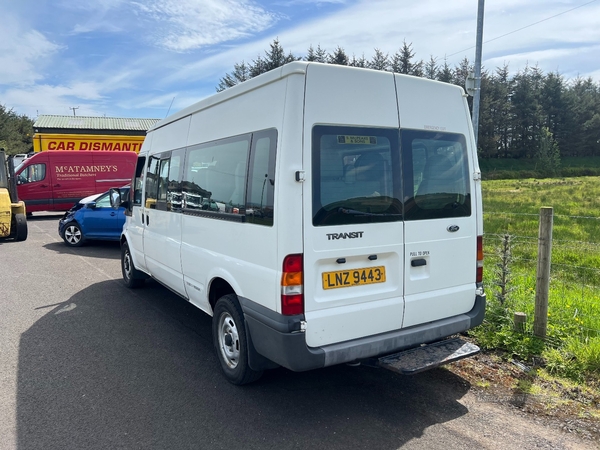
507	168
512	207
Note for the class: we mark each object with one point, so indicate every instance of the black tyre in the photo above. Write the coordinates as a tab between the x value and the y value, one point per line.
73	236
21	226
231	342
133	278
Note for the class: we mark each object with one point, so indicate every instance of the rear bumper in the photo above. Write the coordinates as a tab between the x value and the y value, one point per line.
280	339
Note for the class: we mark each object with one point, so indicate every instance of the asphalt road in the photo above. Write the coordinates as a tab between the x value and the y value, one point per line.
86	363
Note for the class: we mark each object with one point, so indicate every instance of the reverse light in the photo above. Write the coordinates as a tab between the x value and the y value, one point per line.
292	291
479	276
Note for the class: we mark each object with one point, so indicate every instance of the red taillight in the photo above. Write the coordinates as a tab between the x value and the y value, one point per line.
292	293
479	277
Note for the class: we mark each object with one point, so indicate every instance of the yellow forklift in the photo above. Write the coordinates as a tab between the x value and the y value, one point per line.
13	218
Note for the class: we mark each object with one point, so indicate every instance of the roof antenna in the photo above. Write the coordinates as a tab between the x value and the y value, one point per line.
74	108
169	107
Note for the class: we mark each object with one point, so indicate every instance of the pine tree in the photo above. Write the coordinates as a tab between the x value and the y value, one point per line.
379	61
318	55
241	73
338	57
361	62
548	153
402	61
431	68
445	74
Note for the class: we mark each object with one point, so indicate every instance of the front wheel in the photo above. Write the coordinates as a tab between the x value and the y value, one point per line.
231	342
21	224
133	278
73	236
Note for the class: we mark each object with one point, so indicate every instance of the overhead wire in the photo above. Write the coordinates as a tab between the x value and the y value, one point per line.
523	28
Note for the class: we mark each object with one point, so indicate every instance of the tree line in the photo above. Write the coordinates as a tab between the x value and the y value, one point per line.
527	115
16	132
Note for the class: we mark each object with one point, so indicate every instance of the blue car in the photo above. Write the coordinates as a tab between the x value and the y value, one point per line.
92	218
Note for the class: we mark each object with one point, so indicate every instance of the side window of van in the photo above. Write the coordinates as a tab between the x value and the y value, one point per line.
261	179
138	182
437	182
174	181
152	182
356	175
214	176
33	173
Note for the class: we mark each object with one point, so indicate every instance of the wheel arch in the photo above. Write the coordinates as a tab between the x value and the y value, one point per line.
218	288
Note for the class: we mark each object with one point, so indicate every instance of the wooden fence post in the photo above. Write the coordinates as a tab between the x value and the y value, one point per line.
542	288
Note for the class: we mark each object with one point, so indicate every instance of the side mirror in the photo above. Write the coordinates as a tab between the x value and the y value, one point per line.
115	198
91	205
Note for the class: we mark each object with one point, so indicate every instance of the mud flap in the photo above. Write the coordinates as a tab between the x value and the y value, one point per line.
419	359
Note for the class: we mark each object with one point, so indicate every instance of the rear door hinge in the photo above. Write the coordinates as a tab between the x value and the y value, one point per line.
477	175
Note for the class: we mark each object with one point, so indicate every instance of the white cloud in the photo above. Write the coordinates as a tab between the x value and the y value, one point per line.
184	25
23	54
46	99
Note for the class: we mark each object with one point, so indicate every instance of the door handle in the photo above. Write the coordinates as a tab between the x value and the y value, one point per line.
57	185
44	185
418	262
147	219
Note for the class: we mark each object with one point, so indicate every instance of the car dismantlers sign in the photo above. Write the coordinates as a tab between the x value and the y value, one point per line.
82	142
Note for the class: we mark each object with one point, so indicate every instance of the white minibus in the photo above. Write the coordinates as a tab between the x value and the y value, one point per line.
321	214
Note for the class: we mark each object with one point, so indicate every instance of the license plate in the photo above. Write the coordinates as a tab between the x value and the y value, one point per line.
354	277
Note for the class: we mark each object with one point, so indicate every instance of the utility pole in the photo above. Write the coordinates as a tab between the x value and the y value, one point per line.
478	48
74	108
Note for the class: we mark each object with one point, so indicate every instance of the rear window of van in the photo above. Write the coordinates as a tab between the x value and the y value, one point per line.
359	177
356	175
436	175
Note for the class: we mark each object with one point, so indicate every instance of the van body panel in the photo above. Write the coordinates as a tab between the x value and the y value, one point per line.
431	105
206	125
176	136
289	216
334	315
440	252
162	244
204	249
162	230
54	180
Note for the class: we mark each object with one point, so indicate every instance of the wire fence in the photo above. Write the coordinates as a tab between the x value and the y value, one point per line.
574	296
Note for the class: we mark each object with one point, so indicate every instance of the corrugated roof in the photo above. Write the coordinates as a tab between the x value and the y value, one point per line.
94	123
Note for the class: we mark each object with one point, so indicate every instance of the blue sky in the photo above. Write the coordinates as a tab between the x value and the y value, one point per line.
126	58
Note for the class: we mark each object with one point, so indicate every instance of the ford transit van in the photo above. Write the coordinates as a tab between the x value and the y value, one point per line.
321	215
55	180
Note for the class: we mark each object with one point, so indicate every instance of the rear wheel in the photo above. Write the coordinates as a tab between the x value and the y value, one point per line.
73	236
133	278
231	342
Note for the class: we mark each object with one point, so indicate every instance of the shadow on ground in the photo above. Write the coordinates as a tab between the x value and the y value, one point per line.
93	249
114	368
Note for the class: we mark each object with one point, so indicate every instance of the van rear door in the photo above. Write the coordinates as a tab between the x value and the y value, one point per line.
440	216
353	228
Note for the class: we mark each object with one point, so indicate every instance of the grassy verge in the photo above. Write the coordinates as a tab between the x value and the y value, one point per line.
511	207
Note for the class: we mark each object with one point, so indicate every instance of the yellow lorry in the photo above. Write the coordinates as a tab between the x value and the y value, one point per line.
13	218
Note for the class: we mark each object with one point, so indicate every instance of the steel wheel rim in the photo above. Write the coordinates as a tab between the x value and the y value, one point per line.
73	234
230	350
127	265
